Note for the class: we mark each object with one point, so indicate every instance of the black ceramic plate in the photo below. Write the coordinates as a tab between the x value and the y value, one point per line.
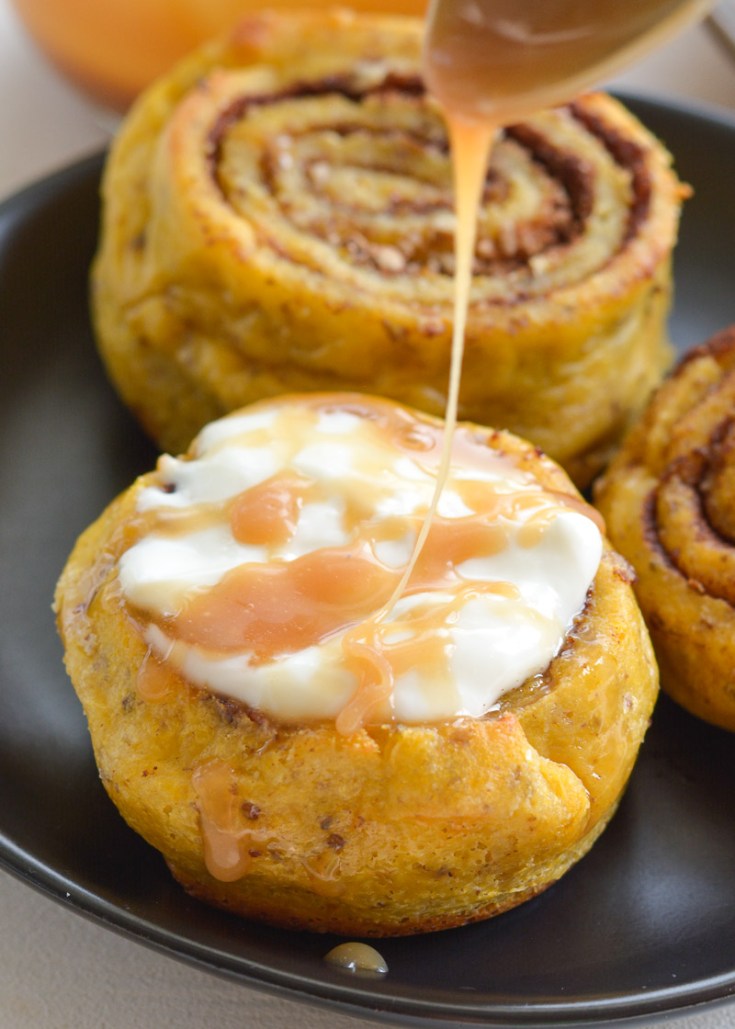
645	924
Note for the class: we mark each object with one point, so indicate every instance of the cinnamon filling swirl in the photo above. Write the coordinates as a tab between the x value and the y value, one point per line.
668	501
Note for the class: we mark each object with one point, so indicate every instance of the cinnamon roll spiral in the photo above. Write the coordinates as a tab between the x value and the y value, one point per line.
669	502
279	217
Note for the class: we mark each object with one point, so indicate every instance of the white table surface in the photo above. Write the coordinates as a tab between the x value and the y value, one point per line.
58	970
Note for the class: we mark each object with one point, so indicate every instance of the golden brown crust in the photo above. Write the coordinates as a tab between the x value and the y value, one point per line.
391	830
668	501
277	218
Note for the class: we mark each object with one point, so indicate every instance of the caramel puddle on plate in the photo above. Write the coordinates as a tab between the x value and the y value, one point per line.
358	958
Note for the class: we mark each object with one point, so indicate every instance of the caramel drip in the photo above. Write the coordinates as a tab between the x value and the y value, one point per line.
423	647
451	542
324	873
576	503
471	132
267	514
532	531
282	607
155	681
375	684
233	840
229	841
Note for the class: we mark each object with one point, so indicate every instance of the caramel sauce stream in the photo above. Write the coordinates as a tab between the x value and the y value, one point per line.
470	144
229	842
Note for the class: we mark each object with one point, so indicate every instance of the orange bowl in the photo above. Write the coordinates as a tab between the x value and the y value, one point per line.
112	49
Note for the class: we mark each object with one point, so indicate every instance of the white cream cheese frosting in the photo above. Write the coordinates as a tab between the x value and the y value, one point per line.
270	551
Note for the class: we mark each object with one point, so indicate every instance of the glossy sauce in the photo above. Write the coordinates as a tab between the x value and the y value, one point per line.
271	565
232	838
235	833
359	958
470	144
154	680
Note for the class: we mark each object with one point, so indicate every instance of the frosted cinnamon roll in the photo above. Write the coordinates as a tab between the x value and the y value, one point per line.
668	498
278	216
305	746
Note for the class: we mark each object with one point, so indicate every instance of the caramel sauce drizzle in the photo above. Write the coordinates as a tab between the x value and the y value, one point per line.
283	606
234	840
228	839
268	513
279	606
154	682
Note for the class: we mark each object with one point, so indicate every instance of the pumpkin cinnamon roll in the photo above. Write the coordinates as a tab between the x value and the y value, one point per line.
308	741
669	502
278	216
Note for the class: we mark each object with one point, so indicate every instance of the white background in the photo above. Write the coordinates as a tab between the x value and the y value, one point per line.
57	970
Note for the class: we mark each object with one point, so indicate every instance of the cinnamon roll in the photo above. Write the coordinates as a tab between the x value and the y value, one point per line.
307	743
668	499
278	216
